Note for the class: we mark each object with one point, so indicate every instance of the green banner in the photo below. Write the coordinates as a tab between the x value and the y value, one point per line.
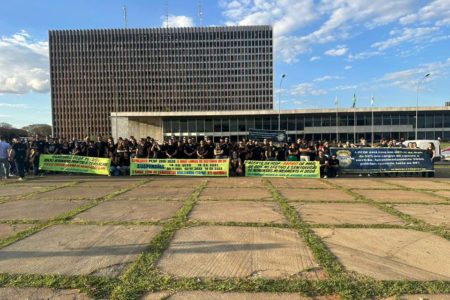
179	167
74	164
291	169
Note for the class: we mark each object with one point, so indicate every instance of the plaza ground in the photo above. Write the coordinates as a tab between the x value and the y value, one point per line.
85	237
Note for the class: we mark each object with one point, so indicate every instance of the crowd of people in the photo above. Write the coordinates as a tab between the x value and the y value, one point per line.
21	156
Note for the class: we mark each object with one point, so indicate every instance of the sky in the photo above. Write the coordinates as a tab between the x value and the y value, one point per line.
326	48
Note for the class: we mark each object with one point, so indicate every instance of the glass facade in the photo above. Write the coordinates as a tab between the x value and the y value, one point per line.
315	126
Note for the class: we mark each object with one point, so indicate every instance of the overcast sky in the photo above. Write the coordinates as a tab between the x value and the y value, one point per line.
327	49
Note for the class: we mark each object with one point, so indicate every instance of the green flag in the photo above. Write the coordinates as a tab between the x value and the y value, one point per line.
354	101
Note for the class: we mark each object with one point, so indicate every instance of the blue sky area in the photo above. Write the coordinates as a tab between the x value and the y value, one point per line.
327	48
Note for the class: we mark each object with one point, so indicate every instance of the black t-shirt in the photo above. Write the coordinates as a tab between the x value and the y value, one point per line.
91	151
39	146
203	151
333	162
171	149
53	148
271	151
100	146
141	151
20	151
321	160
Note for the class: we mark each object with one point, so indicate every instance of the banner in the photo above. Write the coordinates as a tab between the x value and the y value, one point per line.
382	160
293	169
179	167
277	136
74	164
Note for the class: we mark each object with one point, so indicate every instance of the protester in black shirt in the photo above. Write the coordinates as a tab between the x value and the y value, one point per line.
333	167
202	150
65	148
172	149
19	156
100	145
189	150
53	147
142	149
270	151
38	147
91	150
323	162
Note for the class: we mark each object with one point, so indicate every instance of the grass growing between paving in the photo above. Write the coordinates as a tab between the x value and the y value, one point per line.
143	275
97	287
350	285
410	221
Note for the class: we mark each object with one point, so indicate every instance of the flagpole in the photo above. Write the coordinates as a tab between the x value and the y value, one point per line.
371	104
354	118
336	101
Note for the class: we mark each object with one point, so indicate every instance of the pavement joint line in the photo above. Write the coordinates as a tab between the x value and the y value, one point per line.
44	190
17	221
95	286
60	219
412	222
196	223
124	223
323	256
143	274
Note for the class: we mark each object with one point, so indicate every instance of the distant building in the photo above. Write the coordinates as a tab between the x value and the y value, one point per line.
96	72
312	124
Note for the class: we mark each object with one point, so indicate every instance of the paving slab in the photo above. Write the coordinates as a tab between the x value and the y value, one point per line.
315	195
210	193
389	254
40	294
363	183
421	184
399	196
16	191
207	295
36	209
231	251
438	215
122	210
36	184
74	192
77	250
421	297
10	229
238	211
300	183
117	184
235	182
344	213
169	181
155	193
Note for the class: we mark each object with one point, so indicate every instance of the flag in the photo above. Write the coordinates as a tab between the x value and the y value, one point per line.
372	100
354	101
336	101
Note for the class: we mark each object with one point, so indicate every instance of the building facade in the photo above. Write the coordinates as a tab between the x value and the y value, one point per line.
96	72
315	124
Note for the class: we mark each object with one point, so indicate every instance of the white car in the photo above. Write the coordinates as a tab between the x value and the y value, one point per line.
445	153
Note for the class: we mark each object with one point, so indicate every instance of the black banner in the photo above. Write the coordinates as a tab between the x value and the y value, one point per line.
382	160
276	136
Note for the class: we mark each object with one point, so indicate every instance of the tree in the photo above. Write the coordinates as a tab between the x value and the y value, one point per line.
6	125
41	129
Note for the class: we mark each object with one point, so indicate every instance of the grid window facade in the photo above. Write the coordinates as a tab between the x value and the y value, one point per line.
96	72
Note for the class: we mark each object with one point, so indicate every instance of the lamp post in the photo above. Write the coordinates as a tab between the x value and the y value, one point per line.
279	102
417	100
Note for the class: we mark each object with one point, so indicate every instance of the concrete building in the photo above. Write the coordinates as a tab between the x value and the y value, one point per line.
313	124
170	70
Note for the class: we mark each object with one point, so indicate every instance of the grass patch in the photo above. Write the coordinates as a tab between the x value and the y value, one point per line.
143	275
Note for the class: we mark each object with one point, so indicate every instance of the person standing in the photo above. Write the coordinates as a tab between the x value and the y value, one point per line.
19	156
5	149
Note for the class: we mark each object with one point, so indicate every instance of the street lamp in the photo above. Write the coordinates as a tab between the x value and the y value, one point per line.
417	100
279	102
